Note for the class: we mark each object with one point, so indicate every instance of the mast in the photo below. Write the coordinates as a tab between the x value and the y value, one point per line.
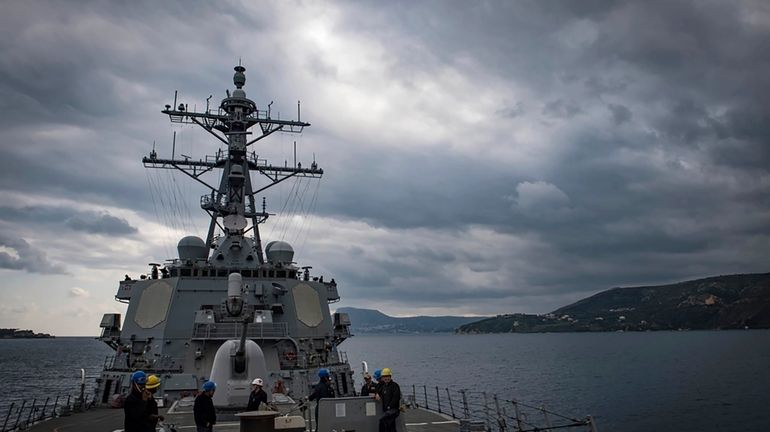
232	205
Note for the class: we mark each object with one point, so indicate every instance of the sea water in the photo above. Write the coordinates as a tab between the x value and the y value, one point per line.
654	381
662	381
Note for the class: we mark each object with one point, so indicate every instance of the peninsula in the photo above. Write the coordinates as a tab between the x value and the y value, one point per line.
12	333
739	301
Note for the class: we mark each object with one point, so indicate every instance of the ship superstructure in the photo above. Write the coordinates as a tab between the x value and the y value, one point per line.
228	287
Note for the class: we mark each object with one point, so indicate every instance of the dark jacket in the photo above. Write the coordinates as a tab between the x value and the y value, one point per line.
152	409
390	394
369	388
137	416
322	390
256	398
204	410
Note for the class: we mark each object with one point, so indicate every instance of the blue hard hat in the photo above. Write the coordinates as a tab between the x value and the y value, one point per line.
139	377
209	386
323	373
377	374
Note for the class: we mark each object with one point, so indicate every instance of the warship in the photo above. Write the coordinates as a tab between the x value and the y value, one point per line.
229	309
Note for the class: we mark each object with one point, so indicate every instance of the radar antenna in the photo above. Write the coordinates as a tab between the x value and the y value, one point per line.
231	204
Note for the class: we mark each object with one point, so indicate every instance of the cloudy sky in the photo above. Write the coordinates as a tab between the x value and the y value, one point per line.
480	157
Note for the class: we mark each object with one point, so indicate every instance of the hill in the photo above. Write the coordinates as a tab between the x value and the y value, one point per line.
720	302
12	333
373	321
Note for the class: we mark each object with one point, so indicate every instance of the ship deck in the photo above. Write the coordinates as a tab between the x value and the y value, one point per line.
111	420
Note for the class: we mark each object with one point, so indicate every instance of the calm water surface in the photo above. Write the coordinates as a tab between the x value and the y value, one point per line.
661	381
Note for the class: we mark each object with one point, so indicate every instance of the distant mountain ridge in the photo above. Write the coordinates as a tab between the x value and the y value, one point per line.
720	302
12	333
374	321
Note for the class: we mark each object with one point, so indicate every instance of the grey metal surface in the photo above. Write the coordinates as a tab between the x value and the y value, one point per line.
360	414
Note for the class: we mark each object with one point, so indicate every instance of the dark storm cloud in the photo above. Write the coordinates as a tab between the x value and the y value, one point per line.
560	109
100	223
85	221
78	87
620	113
86	66
681	63
513	111
18	254
628	145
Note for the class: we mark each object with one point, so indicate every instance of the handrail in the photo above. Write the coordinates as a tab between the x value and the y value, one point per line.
16	417
482	411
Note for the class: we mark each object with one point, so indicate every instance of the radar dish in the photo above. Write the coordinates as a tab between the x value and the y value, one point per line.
192	248
279	252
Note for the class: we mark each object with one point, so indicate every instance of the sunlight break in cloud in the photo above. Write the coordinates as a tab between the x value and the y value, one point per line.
79	292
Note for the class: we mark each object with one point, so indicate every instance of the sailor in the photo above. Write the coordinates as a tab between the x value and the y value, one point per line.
135	407
203	409
390	394
257	395
377	380
322	390
369	388
153	383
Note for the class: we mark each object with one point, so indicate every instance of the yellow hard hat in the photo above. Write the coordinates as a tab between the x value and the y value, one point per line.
385	372
152	382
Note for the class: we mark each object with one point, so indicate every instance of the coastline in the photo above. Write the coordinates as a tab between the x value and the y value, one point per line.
12	333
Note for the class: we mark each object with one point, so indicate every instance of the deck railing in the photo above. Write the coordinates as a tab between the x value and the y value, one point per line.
475	411
222	331
21	415
162	364
481	411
